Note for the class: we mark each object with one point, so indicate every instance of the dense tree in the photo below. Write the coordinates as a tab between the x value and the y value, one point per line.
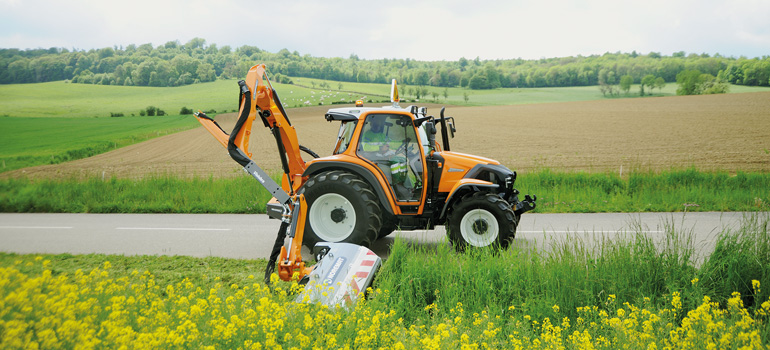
648	81
688	81
693	82
181	64
625	83
660	83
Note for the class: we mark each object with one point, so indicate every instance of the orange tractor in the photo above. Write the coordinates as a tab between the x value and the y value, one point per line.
386	172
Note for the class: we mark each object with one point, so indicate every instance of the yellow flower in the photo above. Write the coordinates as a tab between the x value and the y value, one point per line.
755	285
676	301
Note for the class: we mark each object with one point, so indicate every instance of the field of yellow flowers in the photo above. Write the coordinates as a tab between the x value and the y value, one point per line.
97	310
473	301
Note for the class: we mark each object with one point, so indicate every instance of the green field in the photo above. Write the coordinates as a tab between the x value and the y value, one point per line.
80	100
499	97
620	292
61	99
669	191
50	140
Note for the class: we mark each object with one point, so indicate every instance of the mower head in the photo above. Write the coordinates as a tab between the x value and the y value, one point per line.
343	273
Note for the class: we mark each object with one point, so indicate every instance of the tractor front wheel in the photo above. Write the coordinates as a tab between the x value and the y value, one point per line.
341	208
482	220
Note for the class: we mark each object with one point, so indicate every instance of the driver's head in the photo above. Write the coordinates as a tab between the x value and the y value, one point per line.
377	124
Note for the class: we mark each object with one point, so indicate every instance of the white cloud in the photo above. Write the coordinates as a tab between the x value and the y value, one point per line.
432	29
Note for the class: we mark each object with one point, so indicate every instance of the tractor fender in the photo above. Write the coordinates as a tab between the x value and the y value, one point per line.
364	173
462	186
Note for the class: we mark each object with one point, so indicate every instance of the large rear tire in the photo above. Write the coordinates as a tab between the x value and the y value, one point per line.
341	208
481	220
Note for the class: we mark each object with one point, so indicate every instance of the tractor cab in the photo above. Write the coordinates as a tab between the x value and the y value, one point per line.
388	139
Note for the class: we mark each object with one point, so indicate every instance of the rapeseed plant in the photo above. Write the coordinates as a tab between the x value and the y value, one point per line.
100	309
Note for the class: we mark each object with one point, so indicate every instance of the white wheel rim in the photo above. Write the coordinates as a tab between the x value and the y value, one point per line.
486	230
332	217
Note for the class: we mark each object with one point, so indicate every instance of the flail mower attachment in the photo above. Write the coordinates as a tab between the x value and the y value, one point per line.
344	270
342	274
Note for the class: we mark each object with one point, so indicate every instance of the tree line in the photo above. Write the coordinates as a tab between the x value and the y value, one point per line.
176	64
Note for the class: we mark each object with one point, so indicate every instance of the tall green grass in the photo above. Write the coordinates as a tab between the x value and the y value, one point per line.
148	195
666	191
669	191
574	272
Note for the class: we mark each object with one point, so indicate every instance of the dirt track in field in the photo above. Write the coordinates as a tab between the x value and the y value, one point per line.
717	132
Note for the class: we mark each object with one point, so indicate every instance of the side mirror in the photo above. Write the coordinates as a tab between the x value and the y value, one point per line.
430	128
452	129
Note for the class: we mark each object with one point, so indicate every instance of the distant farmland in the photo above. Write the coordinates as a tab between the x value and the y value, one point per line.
716	132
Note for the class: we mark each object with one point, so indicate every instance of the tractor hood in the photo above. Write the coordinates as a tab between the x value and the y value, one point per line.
468	160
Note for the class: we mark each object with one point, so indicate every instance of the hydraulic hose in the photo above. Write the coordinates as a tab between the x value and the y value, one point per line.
235	152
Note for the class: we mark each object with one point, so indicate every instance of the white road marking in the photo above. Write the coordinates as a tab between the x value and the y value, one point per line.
38	227
173	229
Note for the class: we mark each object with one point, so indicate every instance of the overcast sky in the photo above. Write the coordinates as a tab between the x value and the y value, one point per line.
424	30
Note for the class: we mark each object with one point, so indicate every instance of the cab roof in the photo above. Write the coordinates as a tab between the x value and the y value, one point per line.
354	113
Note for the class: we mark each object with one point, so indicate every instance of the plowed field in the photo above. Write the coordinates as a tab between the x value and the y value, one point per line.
718	132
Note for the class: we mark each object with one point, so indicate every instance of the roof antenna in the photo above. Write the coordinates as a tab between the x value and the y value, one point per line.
394	94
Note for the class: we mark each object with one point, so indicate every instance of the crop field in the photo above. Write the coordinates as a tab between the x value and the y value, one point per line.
620	292
710	133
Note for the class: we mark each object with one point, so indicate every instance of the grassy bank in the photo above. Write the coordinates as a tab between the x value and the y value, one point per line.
666	191
622	292
148	195
669	191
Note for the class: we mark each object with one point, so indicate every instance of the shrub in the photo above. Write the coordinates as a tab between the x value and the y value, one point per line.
185	111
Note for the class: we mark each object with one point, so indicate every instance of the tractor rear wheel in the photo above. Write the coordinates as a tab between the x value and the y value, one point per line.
341	208
482	220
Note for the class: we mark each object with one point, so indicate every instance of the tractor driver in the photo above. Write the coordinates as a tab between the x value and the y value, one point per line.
379	143
375	139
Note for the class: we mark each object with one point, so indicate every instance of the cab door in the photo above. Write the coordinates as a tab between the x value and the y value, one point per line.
390	142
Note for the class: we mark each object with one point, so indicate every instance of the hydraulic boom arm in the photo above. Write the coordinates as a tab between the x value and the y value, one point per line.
343	268
257	97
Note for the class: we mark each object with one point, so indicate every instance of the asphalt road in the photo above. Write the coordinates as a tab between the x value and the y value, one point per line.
252	236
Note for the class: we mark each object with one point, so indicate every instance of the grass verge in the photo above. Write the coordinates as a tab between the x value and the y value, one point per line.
621	292
669	191
148	195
